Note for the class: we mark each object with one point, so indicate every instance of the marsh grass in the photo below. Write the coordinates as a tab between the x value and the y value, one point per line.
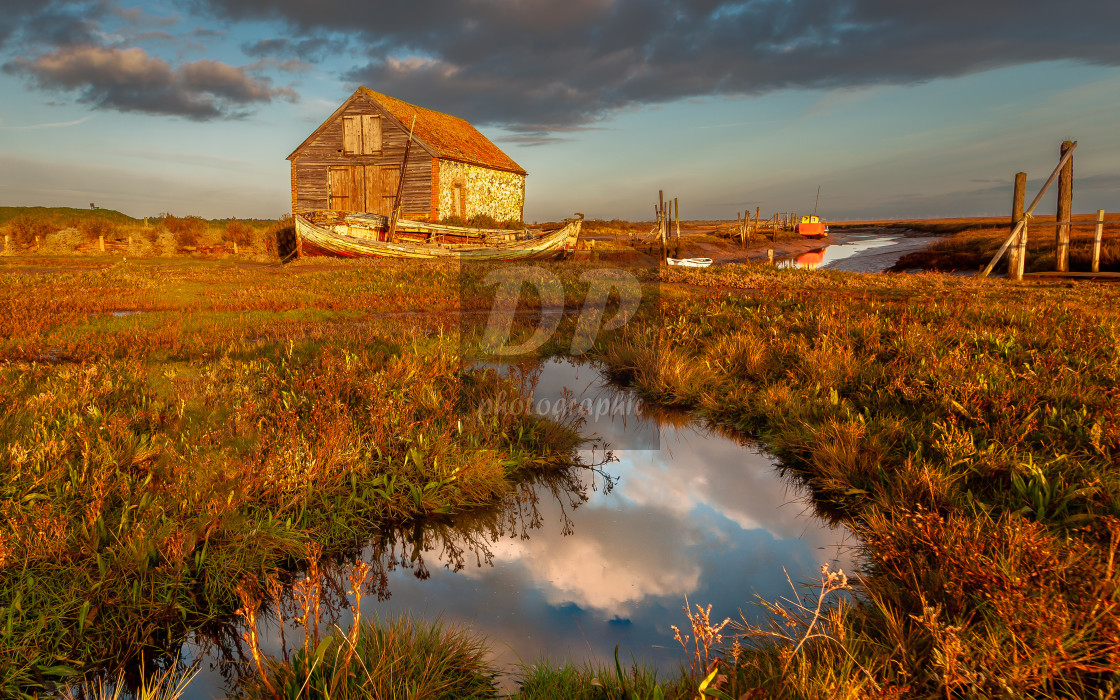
547	680
966	430
163	466
157	462
400	658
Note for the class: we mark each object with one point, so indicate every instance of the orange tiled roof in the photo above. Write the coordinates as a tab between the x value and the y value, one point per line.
451	137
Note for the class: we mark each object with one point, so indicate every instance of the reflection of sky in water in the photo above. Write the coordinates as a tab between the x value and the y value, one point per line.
702	516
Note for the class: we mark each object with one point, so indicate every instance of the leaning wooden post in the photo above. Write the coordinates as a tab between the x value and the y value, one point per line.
101	243
7	240
757	211
235	247
1097	241
1065	210
1017	199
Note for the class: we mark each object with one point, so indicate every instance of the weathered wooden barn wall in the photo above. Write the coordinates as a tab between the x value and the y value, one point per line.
326	177
468	190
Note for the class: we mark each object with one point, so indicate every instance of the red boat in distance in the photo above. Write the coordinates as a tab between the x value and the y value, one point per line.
812	227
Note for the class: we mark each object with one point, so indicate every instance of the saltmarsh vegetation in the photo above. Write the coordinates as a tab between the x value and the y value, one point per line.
164	466
969	433
174	436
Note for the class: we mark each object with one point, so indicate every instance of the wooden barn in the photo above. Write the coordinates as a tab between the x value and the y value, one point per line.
352	162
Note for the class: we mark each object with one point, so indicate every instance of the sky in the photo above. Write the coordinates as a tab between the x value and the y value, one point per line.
894	109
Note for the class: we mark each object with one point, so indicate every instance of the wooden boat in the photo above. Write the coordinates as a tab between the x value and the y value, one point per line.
367	235
690	262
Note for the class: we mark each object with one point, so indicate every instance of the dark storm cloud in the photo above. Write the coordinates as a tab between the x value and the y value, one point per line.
129	80
56	23
536	65
305	49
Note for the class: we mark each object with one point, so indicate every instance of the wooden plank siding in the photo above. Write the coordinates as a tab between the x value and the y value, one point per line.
331	171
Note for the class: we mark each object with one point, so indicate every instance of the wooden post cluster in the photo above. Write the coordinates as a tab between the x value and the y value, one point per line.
664	211
745	227
1067	156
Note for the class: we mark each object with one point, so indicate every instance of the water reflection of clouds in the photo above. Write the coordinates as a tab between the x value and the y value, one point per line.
556	576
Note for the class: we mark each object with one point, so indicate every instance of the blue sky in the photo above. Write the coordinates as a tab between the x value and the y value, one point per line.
894	109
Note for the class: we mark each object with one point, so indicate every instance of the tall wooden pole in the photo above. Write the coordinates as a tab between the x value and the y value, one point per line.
664	225
1097	241
677	235
400	184
1017	200
1065	209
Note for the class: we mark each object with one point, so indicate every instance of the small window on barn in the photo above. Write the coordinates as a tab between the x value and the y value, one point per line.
371	133
361	135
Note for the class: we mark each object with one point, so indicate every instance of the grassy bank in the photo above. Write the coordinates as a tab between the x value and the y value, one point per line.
172	433
969	430
64	231
166	466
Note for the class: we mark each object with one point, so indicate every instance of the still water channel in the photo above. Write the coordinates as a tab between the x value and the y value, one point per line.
861	250
569	568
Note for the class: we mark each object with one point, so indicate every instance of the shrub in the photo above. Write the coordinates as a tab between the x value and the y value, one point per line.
95	226
186	230
238	232
24	229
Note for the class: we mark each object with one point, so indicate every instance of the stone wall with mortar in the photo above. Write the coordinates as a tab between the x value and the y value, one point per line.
498	193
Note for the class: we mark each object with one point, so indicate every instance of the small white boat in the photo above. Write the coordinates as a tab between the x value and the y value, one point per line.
690	262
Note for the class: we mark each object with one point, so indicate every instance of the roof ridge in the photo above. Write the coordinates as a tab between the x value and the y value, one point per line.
451	137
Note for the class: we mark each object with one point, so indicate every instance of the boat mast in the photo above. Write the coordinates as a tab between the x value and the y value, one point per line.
400	183
818	201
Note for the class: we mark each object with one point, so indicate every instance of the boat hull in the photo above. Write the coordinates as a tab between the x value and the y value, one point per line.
366	236
812	230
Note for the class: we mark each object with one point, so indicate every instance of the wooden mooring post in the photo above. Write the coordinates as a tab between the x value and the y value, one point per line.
677	236
1017	200
1065	209
1097	241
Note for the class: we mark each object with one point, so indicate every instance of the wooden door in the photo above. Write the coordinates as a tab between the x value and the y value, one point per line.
381	188
346	192
390	177
340	188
